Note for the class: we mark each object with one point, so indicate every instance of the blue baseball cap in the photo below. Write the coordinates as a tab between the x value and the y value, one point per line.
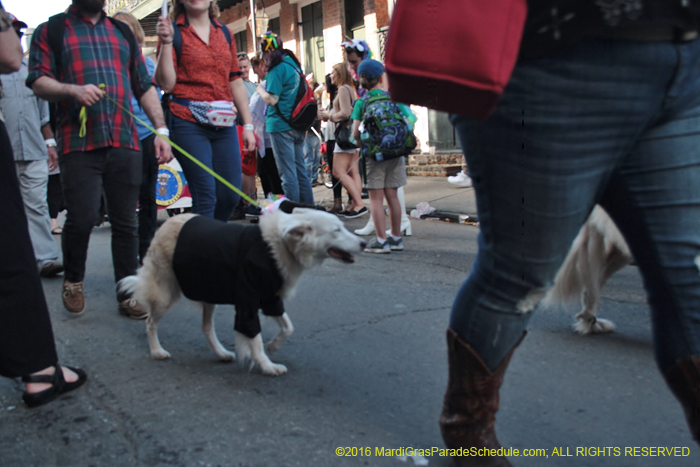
370	68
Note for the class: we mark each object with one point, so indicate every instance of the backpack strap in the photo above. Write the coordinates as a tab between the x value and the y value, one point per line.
135	52
177	42
301	77
227	33
57	26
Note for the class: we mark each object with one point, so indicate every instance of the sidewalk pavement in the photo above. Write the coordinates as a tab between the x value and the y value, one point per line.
451	203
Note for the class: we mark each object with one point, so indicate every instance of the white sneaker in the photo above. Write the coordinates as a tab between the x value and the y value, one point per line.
375	246
461	179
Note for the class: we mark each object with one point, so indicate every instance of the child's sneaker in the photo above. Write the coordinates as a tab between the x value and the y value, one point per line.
395	244
375	246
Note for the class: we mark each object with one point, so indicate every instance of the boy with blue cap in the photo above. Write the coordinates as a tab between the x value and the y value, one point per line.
387	138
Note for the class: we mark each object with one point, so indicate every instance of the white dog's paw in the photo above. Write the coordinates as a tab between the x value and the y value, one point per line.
161	354
273	369
227	356
595	326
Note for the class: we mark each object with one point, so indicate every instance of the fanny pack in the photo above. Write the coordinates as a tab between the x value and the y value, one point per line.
215	113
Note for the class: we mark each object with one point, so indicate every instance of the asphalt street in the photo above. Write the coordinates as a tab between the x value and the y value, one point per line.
367	370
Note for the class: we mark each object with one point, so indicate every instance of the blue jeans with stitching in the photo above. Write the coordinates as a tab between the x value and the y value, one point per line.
217	148
288	148
609	122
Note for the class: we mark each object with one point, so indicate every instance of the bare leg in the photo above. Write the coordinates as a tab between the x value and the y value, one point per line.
347	173
376	208
392	201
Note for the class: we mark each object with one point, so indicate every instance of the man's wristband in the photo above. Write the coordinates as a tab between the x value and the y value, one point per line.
249	126
163	42
163	131
50	142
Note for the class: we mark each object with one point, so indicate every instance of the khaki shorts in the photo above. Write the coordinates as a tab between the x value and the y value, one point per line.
386	174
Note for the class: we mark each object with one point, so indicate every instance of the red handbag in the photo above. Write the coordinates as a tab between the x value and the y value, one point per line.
453	55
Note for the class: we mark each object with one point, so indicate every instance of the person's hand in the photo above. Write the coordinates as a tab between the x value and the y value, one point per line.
323	114
249	140
87	94
164	153
164	30
53	158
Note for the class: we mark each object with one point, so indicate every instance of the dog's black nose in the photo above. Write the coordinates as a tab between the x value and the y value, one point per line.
363	244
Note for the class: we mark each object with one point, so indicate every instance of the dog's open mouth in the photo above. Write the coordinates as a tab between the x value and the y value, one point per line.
341	255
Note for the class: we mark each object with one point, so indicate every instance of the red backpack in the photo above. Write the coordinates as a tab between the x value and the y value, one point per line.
305	108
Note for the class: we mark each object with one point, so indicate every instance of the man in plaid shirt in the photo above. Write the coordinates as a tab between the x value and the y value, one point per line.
106	154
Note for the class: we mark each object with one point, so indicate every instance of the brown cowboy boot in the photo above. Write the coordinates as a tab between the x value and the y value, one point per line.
471	402
684	380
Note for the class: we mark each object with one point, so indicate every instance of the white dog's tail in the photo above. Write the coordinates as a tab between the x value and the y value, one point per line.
128	286
597	252
568	285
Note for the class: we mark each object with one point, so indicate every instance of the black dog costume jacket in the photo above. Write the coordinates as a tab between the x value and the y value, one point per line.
221	263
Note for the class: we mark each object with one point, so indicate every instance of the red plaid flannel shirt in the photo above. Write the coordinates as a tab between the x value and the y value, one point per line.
92	54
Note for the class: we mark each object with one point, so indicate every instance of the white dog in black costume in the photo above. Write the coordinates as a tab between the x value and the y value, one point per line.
252	267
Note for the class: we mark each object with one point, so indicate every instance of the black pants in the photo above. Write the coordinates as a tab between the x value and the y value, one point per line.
55	195
148	210
26	338
84	175
269	176
337	186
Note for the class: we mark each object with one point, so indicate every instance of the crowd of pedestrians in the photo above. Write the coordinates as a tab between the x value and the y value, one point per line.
591	138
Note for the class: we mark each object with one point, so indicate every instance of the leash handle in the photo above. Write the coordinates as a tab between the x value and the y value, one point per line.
82	118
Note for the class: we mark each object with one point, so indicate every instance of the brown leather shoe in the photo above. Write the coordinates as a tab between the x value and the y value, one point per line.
73	297
51	269
471	402
132	309
684	380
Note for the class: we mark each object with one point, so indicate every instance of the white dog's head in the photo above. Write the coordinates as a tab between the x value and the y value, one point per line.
310	236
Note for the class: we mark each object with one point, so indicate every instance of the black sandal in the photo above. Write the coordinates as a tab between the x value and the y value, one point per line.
59	386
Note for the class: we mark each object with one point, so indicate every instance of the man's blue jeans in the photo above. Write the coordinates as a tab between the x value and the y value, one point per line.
217	148
288	148
609	122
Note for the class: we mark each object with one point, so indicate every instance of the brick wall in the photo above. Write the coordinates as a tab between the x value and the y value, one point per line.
376	16
381	9
242	10
289	17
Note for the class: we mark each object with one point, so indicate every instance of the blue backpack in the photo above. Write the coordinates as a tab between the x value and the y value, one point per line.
387	134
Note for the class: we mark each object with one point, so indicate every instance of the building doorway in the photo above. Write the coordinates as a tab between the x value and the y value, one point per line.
314	52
